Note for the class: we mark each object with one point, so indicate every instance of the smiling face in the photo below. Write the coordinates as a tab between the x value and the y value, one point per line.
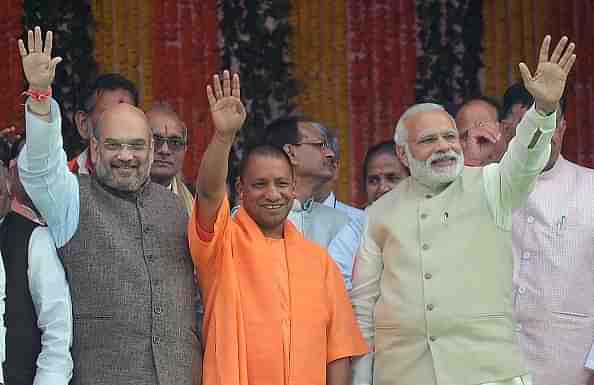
433	152
169	147
267	190
123	148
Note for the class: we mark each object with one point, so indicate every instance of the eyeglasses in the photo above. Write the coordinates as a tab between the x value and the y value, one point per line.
115	146
322	144
174	143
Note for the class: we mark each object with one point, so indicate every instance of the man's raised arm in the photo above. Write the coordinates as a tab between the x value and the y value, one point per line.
42	163
509	183
228	115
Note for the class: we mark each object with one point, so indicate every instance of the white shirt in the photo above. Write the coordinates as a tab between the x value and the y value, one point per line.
51	300
590	360
352	212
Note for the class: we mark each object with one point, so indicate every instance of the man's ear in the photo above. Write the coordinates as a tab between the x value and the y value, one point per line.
94	148
290	153
401	154
80	120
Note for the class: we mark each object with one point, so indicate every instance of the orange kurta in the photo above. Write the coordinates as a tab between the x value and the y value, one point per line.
269	319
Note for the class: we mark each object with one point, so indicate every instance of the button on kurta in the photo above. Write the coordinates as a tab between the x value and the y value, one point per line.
156	340
430	307
425	246
423	216
158	309
530	219
432	338
428	276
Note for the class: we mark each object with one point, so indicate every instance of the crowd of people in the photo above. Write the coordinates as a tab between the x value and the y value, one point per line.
471	263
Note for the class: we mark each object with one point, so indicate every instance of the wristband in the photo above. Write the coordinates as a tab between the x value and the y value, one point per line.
39	96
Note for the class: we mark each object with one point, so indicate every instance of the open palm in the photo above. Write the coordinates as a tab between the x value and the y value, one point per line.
227	110
548	83
38	65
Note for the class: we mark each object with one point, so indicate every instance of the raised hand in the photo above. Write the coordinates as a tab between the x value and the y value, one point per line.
38	64
227	110
548	83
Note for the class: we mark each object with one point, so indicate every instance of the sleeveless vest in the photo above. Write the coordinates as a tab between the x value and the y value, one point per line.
444	315
23	337
130	275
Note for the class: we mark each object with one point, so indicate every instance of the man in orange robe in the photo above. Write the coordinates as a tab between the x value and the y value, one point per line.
276	309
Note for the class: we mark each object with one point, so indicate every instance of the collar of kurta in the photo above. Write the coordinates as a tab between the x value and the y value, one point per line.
306	206
557	169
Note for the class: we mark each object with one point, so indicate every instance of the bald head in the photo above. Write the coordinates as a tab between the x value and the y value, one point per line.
122	117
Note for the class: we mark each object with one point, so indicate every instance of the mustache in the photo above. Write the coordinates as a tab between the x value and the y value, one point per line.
450	155
119	164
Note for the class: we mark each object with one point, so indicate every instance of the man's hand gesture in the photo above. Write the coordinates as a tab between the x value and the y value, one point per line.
548	82
38	65
226	108
479	145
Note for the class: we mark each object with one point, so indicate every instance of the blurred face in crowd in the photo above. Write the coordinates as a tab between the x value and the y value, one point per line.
104	100
312	155
384	171
473	114
123	148
267	190
433	152
4	191
169	136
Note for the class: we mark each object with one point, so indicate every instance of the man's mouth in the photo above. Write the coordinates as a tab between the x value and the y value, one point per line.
444	162
160	162
273	207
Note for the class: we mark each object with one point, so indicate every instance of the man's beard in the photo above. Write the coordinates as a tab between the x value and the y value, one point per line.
426	175
105	174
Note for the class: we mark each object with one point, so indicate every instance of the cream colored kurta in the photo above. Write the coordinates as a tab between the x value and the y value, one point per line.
432	284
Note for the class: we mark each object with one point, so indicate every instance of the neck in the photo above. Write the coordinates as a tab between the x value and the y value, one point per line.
274	233
305	187
162	181
321	194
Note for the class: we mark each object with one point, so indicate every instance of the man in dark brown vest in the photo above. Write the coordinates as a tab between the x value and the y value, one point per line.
123	241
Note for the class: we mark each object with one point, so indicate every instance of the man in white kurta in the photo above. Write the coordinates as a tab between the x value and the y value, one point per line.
432	284
553	245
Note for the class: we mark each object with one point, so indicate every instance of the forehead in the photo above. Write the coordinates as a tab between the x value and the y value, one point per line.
477	110
108	98
309	130
384	160
429	123
164	124
267	167
124	125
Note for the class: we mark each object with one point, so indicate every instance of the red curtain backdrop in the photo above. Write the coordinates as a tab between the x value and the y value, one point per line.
382	75
185	56
11	78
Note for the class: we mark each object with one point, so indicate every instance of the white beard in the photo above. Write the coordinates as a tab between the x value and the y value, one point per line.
427	176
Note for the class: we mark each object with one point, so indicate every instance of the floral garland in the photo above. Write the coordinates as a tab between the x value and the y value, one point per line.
185	54
256	43
448	60
382	41
11	79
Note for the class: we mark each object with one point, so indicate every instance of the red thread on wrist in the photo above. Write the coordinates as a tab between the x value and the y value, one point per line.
39	96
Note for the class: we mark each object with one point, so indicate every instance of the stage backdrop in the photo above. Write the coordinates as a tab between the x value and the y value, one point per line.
352	65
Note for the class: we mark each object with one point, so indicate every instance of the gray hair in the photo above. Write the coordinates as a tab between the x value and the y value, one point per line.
330	137
401	131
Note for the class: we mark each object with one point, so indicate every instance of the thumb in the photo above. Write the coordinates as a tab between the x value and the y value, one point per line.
52	67
525	72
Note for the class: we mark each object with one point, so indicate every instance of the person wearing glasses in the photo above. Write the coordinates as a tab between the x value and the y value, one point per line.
170	137
313	162
122	240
